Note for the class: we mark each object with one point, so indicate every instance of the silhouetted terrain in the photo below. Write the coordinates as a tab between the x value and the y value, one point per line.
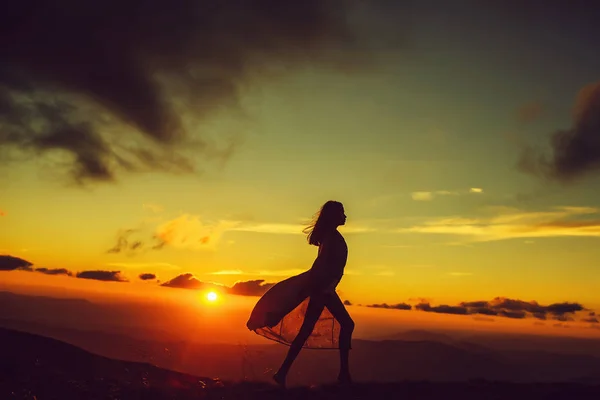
35	367
411	355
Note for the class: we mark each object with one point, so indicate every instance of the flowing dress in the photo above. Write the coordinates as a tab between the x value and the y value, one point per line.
279	313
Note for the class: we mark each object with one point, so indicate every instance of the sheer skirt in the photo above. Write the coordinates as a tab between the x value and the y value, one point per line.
279	314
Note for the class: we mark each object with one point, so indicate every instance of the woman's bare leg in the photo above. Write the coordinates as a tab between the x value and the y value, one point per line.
315	307
336	307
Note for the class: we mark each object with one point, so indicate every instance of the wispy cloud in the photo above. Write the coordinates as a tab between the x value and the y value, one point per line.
430	195
272	272
228	272
513	223
191	232
422	196
291	229
143	265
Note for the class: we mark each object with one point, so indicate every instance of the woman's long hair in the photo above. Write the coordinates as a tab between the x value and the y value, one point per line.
323	222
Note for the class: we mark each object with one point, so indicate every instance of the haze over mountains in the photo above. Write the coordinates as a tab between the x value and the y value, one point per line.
407	355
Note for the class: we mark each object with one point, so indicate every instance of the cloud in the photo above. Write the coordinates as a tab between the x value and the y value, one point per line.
422	196
444	308
184	232
399	306
189	281
460	273
430	195
10	263
2	213
514	308
529	112
592	320
575	152
256	287
276	272
153	79
242	288
190	232
347	303
228	272
513	223
54	271
125	244
147	276
99	275
499	306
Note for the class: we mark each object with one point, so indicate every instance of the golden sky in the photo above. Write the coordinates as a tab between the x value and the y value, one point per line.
423	150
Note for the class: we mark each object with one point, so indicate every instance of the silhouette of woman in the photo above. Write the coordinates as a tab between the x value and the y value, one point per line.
323	278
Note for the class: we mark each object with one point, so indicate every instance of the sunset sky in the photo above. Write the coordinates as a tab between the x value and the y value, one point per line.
431	146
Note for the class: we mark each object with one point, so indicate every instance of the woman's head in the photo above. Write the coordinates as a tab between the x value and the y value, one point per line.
329	217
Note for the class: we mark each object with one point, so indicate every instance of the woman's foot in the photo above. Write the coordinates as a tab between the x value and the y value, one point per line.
344	379
279	378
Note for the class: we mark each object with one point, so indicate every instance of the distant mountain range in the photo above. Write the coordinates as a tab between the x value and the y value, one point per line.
37	367
410	355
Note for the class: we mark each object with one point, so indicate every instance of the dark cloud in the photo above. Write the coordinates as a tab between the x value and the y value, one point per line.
575	152
54	271
529	112
147	276
399	306
10	263
512	314
443	309
347	303
250	288
539	315
503	303
508	308
128	245
591	320
189	281
256	287
564	308
115	86
483	310
563	318
99	275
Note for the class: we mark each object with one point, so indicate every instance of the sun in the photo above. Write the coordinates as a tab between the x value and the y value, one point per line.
211	296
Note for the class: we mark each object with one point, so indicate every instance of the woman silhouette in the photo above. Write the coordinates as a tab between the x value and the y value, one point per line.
323	278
